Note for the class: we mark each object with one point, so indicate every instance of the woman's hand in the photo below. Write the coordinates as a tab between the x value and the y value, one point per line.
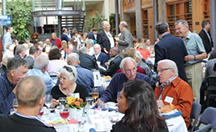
55	103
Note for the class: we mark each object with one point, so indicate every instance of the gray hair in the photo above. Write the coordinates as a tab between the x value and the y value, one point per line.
41	61
6	56
72	57
16	63
103	23
124	24
20	48
90	41
30	90
183	22
125	60
83	50
171	64
72	76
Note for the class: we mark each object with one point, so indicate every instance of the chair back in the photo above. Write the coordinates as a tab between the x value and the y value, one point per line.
195	112
209	117
211	89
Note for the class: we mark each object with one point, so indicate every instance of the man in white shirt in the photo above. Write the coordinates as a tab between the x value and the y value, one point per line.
105	39
7	37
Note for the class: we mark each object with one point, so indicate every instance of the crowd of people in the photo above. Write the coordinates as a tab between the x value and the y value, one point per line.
65	66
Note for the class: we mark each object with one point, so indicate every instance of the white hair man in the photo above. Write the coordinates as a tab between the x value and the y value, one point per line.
39	69
173	90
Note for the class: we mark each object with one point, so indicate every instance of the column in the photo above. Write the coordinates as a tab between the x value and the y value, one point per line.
139	26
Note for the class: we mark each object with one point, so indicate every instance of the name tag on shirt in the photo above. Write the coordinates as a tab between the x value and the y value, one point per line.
168	99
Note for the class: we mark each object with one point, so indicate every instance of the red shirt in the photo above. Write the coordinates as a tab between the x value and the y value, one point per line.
57	42
145	53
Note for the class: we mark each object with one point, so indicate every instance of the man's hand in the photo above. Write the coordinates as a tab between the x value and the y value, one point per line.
100	102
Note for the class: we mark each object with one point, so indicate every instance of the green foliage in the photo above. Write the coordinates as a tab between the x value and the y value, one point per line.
95	21
20	11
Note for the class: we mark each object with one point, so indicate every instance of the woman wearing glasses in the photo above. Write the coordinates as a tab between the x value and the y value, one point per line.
68	86
138	103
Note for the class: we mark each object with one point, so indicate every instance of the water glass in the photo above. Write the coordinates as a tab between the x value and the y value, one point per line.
48	100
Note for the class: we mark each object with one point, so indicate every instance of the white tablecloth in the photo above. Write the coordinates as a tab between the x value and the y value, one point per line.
176	124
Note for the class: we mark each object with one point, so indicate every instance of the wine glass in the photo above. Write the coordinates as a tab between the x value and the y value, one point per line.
48	101
15	104
41	112
95	93
64	113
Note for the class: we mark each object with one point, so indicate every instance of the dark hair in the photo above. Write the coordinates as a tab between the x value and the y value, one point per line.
142	114
94	29
8	27
15	63
204	22
54	54
33	50
161	27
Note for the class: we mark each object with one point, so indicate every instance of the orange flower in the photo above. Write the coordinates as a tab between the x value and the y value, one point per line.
70	100
77	103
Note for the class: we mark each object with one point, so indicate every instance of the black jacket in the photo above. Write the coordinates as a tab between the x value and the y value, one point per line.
206	42
87	61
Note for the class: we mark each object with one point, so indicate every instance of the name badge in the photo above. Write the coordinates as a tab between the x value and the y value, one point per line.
168	99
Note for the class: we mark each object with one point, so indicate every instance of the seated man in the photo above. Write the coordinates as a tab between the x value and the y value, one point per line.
101	57
16	69
39	69
33	53
173	90
30	93
129	72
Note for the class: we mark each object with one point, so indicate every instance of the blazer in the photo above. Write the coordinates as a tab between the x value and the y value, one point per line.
125	40
103	40
15	123
206	42
173	48
102	58
88	61
30	61
64	37
90	35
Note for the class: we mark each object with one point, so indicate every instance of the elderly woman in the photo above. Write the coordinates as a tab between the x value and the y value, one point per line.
138	103
68	85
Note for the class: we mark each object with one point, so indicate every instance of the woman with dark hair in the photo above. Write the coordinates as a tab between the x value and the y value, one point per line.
55	62
138	103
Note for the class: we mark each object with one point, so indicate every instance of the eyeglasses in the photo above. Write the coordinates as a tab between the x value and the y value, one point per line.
164	69
69	70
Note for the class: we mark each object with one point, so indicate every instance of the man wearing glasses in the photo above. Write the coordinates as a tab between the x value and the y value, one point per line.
173	90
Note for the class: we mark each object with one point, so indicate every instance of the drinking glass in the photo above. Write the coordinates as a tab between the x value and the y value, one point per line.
95	93
41	112
48	101
15	104
64	113
89	101
62	101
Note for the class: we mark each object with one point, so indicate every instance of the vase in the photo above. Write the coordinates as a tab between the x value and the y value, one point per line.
75	113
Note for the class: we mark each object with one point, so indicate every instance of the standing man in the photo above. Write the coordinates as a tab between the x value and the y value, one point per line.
55	41
125	39
170	47
105	38
206	36
7	37
16	69
196	52
93	34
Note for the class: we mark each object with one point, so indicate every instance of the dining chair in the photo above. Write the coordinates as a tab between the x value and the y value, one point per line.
195	112
207	128
208	117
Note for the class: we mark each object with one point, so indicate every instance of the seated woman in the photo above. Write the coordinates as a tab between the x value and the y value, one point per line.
138	103
68	85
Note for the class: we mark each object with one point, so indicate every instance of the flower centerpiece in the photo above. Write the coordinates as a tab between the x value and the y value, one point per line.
77	103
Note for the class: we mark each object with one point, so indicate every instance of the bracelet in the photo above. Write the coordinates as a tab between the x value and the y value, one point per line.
195	57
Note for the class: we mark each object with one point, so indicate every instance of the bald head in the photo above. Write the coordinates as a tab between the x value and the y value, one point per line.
30	90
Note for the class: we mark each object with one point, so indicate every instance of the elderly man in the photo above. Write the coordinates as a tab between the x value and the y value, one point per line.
7	37
87	61
84	76
30	93
173	90
6	57
16	69
39	69
89	45
170	47
105	39
55	41
196	52
101	57
128	66
20	51
33	53
125	39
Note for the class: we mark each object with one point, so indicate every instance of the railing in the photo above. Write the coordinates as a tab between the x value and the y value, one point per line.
41	5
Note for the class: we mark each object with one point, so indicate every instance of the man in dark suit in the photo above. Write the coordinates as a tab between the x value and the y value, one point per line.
170	47
33	53
64	35
126	38
206	36
113	63
101	57
87	61
105	39
30	104
93	34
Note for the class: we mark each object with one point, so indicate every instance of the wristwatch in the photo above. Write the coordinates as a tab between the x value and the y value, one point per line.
195	57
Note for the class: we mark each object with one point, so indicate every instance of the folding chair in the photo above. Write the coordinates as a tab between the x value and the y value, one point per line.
211	89
195	112
208	117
